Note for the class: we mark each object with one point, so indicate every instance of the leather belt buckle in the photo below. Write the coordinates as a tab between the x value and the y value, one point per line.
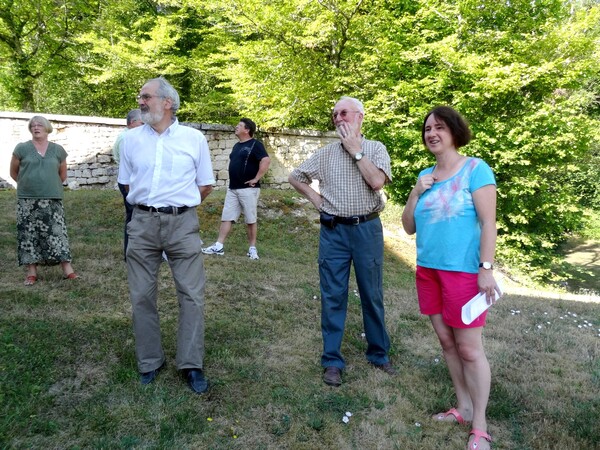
174	210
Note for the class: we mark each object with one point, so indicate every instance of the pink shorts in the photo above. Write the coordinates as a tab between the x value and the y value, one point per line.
445	292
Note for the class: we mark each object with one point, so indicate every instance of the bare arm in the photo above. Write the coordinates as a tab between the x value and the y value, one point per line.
408	214
205	191
14	167
62	171
373	175
485	205
263	166
313	196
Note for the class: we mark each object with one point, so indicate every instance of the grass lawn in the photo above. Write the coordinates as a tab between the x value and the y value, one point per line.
68	376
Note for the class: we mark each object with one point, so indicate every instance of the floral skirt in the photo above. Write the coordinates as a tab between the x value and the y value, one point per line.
41	232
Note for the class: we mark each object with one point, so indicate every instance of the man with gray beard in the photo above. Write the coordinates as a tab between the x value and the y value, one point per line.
167	172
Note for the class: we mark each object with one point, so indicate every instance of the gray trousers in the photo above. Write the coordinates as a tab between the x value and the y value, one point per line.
151	233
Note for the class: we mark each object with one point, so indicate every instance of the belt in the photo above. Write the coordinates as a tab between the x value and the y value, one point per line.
165	209
355	220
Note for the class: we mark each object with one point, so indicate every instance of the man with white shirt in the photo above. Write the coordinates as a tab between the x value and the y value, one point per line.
167	171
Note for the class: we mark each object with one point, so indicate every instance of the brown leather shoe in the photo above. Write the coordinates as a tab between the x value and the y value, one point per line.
387	368
332	376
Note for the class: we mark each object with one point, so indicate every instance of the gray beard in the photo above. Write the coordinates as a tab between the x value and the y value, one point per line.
152	118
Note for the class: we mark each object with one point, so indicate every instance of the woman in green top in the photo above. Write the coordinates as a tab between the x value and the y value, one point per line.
40	167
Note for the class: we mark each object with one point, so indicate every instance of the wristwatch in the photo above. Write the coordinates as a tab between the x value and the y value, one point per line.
486	265
358	156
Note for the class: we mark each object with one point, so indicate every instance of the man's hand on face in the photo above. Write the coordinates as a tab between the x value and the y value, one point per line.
349	133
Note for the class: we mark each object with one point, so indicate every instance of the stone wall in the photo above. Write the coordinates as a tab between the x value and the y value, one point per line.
89	142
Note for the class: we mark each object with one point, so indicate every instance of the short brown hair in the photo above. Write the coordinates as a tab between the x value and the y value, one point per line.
459	127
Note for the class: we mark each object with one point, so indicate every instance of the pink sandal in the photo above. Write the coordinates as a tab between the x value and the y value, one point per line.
478	435
451	412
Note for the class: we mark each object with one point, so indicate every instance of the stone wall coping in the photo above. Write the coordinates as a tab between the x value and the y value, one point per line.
63	118
196	125
269	130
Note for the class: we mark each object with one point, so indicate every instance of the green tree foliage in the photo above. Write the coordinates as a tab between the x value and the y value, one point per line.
36	38
76	57
281	61
134	41
129	43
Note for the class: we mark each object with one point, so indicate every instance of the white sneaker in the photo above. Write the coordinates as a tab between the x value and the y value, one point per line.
213	250
252	253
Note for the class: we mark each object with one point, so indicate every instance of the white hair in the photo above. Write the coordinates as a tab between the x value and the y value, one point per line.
356	102
166	90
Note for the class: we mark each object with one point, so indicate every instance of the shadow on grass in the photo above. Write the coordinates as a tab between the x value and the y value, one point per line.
582	265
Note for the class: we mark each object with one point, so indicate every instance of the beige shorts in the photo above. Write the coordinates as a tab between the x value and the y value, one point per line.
238	201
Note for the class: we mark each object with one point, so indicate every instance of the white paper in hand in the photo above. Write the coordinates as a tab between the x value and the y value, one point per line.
475	307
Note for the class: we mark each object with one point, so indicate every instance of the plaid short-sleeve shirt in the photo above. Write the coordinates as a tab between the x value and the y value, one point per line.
345	193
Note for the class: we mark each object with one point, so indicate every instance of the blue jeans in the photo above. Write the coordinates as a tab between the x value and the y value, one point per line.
338	248
128	213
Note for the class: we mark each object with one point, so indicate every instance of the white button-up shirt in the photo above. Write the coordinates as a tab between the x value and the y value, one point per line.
165	169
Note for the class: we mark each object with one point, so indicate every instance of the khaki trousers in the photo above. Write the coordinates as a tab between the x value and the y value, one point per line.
151	233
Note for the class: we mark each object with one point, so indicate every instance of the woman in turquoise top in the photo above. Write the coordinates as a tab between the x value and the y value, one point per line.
40	167
452	208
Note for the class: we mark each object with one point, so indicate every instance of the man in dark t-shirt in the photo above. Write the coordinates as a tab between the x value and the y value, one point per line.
248	162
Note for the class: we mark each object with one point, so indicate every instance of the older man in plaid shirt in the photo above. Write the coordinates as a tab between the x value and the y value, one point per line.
351	174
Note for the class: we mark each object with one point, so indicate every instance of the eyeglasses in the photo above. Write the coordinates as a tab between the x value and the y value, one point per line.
146	97
343	113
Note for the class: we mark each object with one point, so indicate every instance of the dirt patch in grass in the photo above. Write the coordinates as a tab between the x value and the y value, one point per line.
584	256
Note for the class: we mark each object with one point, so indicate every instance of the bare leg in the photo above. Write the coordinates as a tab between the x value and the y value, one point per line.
32	270
448	342
67	268
252	229
31	276
224	230
477	375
